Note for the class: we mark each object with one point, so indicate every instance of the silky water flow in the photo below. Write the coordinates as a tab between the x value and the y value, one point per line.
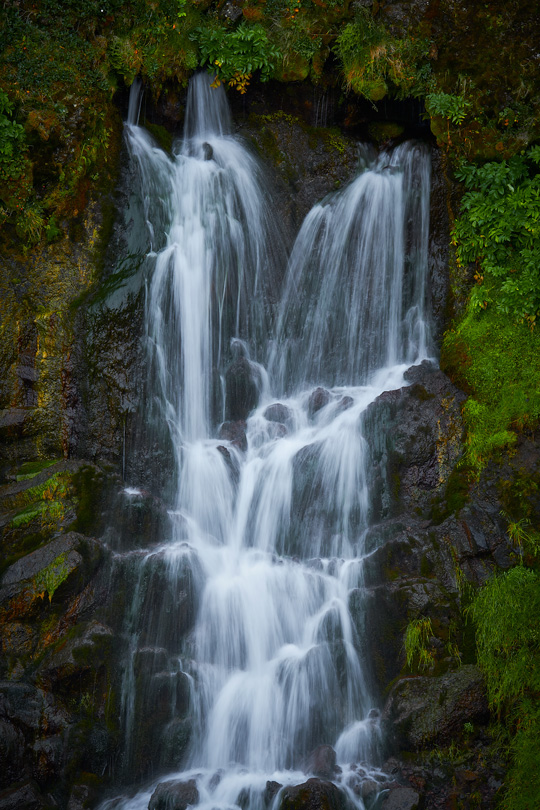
265	544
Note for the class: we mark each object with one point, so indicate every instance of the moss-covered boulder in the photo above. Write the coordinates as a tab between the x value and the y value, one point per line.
424	712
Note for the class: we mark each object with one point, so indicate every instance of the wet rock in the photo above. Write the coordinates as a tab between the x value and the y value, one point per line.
231	461
47	754
208	151
235	433
231	10
174	795
25	796
315	794
28	373
83	653
401	798
81	797
415	436
241	390
173	744
426	711
278	412
150	659
368	788
68	560
13	422
318	399
322	762
29	708
11	753
270	792
18	639
344	404
242	800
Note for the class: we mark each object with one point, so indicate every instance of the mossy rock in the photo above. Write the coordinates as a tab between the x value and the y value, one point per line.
426	711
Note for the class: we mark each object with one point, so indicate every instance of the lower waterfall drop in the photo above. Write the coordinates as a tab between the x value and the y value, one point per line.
267	532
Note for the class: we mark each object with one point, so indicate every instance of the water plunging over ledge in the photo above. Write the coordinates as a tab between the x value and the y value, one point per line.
266	537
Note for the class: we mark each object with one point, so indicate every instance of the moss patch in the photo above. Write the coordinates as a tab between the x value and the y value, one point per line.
500	363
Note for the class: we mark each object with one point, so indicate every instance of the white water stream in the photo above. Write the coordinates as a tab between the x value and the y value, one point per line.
271	538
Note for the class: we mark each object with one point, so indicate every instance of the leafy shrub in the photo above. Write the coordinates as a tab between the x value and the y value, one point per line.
499	230
448	106
505	613
235	55
12	160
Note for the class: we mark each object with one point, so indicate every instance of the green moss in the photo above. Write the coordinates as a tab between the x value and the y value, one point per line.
162	135
426	567
28	514
332	139
49	579
382	131
31	468
88	483
519	494
502	370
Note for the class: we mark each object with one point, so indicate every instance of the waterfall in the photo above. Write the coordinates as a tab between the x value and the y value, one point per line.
242	611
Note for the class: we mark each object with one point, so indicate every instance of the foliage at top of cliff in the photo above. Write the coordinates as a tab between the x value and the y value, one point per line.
62	61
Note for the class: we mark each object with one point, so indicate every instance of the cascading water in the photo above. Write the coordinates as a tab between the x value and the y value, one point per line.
266	542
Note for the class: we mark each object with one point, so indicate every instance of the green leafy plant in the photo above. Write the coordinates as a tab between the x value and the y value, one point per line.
418	650
447	105
523	536
499	231
233	56
11	134
505	612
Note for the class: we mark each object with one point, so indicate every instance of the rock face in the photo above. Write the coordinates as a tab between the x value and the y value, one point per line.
426	712
415	437
426	533
71	385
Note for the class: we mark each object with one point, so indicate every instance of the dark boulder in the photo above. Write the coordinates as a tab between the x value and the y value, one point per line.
270	791
278	412
11	753
315	794
401	798
25	796
241	390
322	762
174	795
235	433
82	797
344	404
317	400
427	711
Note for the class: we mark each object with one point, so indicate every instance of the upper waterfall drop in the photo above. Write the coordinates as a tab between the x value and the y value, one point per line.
217	258
207	111
356	296
267	532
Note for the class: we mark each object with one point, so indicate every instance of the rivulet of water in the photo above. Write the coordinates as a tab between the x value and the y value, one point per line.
243	608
